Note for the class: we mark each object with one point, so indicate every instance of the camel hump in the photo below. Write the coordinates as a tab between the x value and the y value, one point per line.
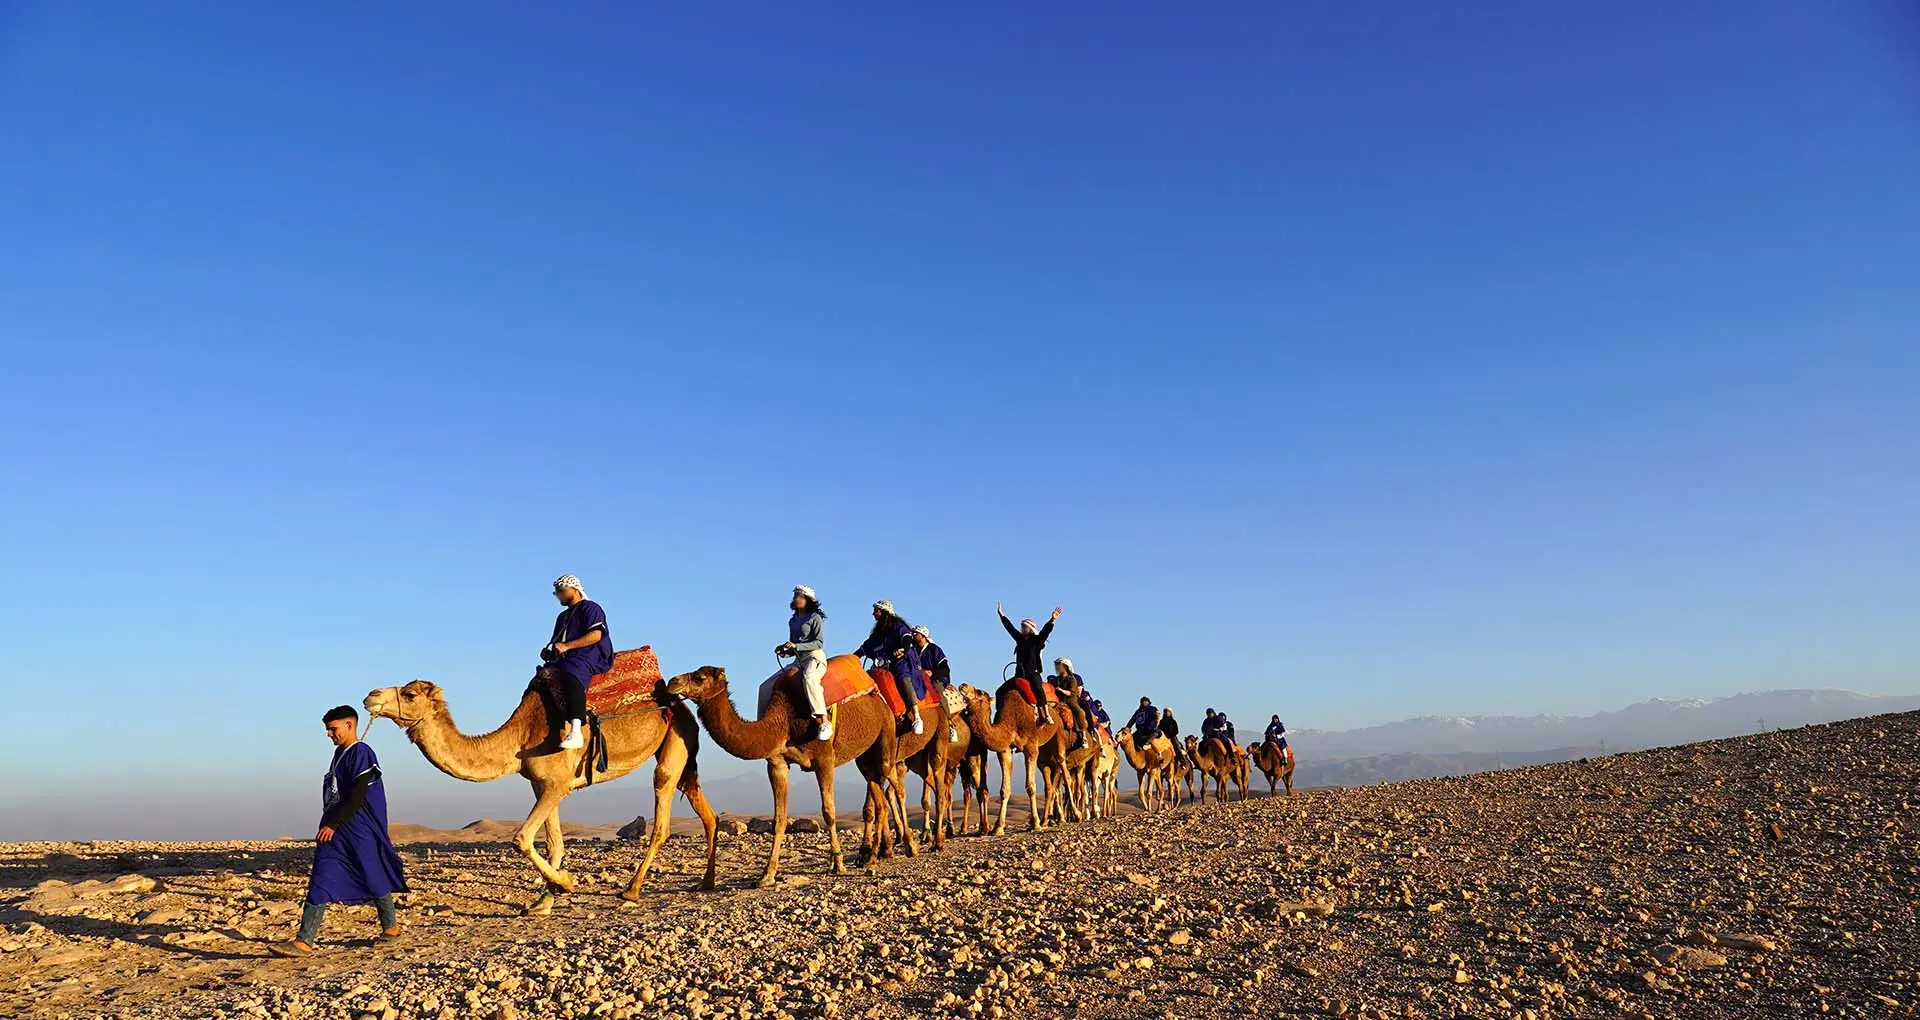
1218	745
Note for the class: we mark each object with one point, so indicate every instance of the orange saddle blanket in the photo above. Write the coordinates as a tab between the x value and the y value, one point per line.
628	686
845	680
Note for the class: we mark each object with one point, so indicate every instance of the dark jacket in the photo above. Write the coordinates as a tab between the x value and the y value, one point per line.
1145	722
1027	648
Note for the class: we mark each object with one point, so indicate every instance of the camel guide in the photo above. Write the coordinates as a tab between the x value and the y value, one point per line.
353	858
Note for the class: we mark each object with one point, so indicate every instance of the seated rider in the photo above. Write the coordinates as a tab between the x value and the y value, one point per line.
1170	727
891	641
1216	726
1277	733
1145	723
580	650
1028	642
806	642
937	672
1073	689
1099	711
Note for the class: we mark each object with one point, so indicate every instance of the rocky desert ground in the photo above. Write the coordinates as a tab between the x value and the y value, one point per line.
1770	876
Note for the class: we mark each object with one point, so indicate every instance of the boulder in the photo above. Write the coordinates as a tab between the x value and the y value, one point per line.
636	829
761	826
806	825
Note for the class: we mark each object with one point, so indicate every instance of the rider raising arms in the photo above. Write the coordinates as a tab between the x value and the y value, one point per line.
1028	642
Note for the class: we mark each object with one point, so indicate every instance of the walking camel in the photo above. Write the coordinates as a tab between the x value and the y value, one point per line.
1014	727
527	743
1219	762
1152	766
863	733
1275	763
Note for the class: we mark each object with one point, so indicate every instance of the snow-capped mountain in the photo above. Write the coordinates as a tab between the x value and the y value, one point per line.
1656	723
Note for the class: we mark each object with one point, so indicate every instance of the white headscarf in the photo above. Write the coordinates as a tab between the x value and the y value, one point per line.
1064	665
801	589
570	581
924	632
1029	626
884	606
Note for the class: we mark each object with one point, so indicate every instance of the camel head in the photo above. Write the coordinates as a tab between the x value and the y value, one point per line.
1193	742
701	685
408	706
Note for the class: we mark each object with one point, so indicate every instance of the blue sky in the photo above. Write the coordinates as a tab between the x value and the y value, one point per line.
1346	364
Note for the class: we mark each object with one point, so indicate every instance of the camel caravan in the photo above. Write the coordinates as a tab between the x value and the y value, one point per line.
890	709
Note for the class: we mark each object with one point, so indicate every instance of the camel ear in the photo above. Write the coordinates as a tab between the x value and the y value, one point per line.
718	674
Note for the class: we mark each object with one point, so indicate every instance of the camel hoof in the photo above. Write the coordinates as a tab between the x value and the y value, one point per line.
631	895
541	907
706	885
765	881
563	882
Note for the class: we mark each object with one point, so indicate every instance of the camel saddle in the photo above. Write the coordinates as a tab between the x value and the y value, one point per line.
844	681
1226	749
628	686
1044	689
1286	750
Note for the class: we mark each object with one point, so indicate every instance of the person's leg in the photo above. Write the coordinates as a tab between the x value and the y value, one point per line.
389	914
813	671
310	917
574	694
910	698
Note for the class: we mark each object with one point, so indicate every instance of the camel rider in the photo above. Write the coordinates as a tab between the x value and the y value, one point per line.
1085	700
806	642
1170	727
936	670
1277	734
1099	711
580	650
1028	642
1073	690
891	641
1217	726
1145	723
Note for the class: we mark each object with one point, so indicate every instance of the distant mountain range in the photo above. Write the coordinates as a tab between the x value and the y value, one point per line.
1657	723
1431	746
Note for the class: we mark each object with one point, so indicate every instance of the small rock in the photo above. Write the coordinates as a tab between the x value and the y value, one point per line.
636	829
1688	957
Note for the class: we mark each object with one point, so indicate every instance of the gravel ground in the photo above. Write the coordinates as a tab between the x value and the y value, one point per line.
1764	876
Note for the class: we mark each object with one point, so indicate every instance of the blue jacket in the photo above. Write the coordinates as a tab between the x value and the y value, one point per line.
1146	720
882	644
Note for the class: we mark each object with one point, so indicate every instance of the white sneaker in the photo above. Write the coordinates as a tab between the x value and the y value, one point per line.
918	726
826	731
574	740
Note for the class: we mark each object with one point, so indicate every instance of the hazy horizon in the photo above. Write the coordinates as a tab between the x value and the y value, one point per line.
420	795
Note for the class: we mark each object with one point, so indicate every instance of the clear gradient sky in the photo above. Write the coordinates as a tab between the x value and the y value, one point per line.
1351	364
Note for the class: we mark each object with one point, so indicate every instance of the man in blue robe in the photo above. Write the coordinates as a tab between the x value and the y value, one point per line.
353	858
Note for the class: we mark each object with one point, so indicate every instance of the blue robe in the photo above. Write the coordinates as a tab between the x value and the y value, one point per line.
358	865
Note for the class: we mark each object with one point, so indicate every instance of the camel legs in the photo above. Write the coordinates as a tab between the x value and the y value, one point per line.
1006	789
824	772
777	778
897	794
545	814
1033	805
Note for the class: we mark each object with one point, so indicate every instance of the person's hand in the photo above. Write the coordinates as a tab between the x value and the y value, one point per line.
899	653
1000	607
325	834
1056	612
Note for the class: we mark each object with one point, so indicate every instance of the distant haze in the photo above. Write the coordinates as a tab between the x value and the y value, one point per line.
1410	749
